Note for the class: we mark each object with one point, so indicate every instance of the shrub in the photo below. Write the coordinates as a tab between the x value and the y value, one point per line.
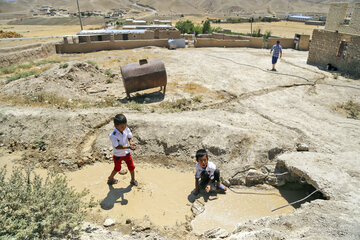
33	208
352	109
336	75
64	65
109	80
108	72
197	99
267	34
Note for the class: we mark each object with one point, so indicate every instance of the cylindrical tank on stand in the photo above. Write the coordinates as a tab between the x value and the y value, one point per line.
144	75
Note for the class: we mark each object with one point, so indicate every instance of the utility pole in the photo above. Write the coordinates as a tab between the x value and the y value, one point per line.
77	1
251	21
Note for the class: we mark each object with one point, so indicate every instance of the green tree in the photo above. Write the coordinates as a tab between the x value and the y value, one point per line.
185	26
206	27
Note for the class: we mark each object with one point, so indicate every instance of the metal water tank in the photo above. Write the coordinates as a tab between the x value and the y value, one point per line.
144	75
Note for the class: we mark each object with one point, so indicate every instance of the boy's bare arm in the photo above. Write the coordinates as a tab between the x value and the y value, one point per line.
132	145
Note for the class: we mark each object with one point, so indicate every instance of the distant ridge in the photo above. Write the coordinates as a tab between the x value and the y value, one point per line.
175	7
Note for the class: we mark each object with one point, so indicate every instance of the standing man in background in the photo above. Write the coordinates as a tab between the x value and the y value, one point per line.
276	54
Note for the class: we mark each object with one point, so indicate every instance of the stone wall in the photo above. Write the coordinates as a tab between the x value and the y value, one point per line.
226	40
336	16
324	49
109	45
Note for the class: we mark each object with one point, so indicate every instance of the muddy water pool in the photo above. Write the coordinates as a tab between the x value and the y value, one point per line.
164	195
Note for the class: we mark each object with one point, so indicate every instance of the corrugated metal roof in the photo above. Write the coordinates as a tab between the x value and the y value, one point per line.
110	31
301	17
147	26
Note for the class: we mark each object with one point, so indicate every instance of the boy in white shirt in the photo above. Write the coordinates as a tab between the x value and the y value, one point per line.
121	139
206	173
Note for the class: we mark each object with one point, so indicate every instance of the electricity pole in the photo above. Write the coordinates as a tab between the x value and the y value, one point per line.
251	21
77	1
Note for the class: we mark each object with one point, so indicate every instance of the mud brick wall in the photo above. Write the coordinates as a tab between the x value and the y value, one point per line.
324	49
284	42
228	36
109	45
211	42
169	34
304	42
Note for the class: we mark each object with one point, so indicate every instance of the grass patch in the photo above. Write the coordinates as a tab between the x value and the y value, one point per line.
42	62
34	208
176	106
134	105
21	75
352	109
8	70
14	68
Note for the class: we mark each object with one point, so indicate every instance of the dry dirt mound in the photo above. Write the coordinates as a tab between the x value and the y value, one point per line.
9	34
62	84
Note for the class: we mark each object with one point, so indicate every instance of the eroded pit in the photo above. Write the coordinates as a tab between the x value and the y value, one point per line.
164	198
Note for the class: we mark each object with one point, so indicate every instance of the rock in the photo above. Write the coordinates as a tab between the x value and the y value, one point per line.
147	100
109	222
80	163
216	233
197	207
273	152
300	147
128	221
66	162
255	177
141	226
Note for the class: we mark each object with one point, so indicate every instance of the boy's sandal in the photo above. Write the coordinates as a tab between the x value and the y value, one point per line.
222	187
135	183
111	182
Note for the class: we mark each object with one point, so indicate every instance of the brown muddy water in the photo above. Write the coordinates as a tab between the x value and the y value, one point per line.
164	195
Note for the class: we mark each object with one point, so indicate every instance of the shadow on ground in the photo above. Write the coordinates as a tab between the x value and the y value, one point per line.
113	195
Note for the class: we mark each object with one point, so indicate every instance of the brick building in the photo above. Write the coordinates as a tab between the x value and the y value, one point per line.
339	43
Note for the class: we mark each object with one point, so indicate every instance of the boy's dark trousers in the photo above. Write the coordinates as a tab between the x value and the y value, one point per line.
205	178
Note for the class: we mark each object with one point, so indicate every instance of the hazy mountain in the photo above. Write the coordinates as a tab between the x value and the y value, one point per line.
167	7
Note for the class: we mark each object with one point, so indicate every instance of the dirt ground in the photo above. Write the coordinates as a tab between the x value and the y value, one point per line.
250	120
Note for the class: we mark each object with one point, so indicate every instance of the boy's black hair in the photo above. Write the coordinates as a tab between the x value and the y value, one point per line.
277	41
119	119
200	153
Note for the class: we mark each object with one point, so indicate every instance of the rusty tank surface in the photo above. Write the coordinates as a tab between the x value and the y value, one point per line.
144	75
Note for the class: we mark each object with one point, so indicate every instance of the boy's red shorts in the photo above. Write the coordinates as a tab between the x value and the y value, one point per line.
128	160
